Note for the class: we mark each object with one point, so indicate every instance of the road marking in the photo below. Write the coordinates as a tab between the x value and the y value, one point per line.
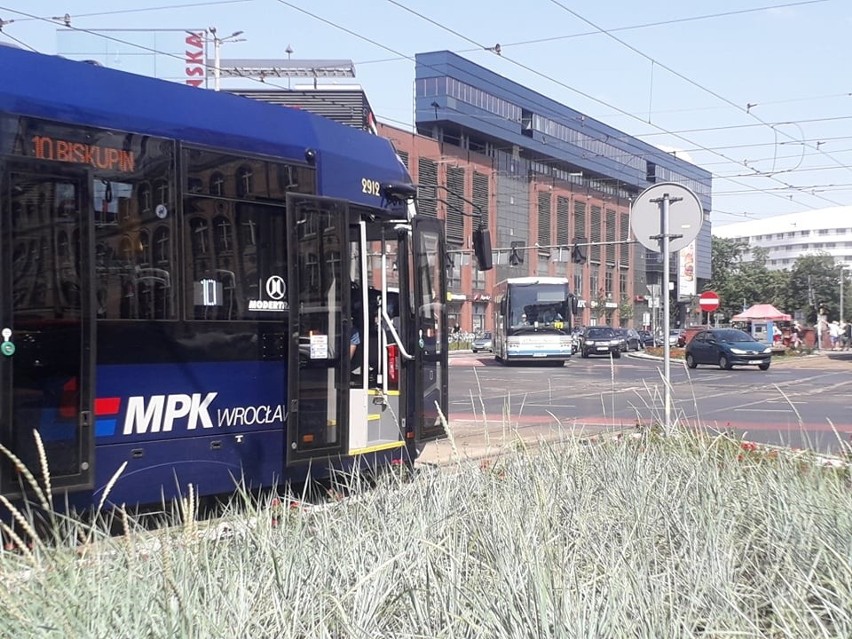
467	361
763	410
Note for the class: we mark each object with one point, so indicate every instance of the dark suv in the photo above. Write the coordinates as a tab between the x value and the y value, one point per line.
599	340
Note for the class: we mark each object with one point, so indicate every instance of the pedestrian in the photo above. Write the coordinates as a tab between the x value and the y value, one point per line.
797	335
834	334
847	336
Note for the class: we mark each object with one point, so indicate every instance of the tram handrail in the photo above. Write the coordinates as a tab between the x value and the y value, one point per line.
396	338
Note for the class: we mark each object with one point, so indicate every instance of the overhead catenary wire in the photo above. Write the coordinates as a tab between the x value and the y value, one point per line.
756	173
747	110
168	7
581	93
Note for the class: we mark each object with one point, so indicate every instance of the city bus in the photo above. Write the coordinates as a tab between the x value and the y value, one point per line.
533	318
199	289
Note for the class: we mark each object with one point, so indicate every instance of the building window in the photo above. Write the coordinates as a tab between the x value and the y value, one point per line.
427	196
454	272
454	228
596	223
544	205
609	234
478	277
563	214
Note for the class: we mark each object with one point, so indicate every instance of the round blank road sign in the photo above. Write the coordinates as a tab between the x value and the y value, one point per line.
685	216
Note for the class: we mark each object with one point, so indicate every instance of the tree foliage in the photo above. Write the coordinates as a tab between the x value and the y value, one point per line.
741	284
815	284
812	283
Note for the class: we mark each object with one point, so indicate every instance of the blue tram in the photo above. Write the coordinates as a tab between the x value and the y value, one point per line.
201	289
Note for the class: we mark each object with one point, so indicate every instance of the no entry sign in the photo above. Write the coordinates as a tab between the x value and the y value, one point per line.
708	301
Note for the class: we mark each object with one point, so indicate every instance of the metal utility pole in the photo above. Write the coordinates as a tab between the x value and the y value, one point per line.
289	52
651	222
217	44
665	239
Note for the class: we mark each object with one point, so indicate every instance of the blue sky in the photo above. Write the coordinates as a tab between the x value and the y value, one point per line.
756	91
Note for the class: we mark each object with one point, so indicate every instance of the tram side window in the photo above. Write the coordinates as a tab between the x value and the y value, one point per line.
235	235
132	208
236	263
135	248
46	249
222	175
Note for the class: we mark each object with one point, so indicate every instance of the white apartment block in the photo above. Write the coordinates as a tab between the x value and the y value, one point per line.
788	237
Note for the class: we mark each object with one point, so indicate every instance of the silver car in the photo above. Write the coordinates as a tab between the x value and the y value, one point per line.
482	343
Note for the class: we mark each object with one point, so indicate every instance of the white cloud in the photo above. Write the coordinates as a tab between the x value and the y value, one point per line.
683	155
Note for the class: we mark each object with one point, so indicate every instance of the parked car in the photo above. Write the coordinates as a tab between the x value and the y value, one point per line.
630	340
482	343
726	348
599	340
647	338
677	337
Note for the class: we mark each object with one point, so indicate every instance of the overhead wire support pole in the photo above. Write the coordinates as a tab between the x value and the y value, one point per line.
217	45
665	239
651	222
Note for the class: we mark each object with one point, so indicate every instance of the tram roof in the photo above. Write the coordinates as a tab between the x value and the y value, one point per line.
56	88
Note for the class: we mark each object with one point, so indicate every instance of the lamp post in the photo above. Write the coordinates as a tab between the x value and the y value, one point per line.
289	52
217	44
843	269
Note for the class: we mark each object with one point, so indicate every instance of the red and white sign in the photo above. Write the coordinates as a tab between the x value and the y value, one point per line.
708	301
194	56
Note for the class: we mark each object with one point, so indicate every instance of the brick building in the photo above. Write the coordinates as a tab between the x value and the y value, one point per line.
542	177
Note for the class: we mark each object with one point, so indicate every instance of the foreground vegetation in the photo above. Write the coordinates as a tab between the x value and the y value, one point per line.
648	537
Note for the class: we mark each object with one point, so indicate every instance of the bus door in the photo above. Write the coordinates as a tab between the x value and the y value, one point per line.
46	320
320	327
429	378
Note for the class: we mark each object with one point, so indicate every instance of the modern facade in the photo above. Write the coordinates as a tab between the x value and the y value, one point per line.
789	237
541	177
545	176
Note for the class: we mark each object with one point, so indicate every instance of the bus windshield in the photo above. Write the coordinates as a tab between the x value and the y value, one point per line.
537	306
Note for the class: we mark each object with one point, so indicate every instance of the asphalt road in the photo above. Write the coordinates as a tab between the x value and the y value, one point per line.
801	402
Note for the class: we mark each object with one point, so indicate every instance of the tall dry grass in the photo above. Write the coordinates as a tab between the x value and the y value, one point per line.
653	537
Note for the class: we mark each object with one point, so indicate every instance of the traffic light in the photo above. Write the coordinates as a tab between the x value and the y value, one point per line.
482	248
578	253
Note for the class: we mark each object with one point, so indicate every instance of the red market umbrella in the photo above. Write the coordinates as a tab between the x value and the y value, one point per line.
761	312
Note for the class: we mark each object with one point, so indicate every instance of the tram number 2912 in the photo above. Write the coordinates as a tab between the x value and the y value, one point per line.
371	187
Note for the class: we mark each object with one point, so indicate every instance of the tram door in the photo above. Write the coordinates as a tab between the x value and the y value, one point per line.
46	319
320	327
429	377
